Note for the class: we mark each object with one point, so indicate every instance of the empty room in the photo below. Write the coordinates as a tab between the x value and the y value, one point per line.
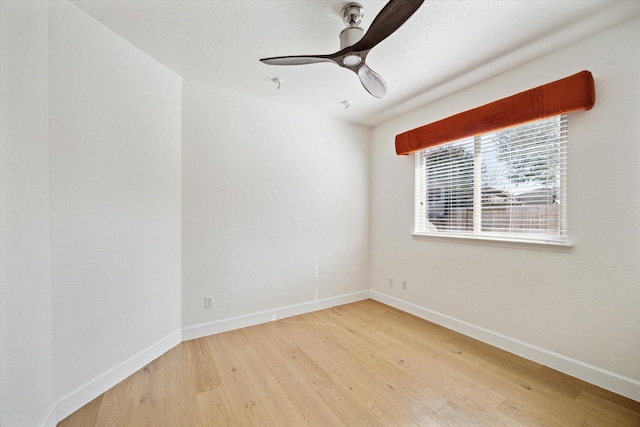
290	213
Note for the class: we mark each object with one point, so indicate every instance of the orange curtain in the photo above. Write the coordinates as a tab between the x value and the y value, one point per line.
572	93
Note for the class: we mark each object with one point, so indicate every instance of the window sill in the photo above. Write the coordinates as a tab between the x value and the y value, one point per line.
499	242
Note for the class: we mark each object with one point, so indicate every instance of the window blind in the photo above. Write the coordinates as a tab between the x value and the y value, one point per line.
509	184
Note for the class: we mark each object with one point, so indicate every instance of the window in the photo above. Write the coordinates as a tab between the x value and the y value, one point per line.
510	184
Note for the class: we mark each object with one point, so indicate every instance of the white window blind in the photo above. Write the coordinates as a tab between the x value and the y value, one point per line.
509	184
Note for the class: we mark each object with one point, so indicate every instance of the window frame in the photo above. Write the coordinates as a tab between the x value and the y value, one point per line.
423	229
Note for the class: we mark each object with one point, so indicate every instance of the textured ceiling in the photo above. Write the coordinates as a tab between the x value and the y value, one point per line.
444	47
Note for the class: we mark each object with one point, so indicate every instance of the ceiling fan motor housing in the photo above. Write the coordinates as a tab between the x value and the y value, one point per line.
350	36
355	44
352	15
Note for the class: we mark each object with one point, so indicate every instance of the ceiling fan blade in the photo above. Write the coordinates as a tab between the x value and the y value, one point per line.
391	17
372	82
295	60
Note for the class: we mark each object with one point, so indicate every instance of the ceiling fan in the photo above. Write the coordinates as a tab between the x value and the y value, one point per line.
355	44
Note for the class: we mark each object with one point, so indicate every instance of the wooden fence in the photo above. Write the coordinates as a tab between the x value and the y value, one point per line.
536	219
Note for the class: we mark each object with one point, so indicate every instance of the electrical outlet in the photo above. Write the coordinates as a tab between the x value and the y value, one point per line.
391	282
208	302
404	285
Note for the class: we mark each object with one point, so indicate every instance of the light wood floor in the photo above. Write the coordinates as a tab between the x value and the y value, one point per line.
357	364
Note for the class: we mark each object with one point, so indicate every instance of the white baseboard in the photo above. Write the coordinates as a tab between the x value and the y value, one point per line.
616	383
82	395
94	388
224	325
49	419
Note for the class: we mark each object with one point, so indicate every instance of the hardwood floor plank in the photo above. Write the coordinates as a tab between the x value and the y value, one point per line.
526	376
449	384
371	305
493	354
413	340
367	332
517	390
315	376
116	408
283	411
313	339
264	382
453	415
272	331
215	408
433	331
237	339
485	414
357	313
280	407
312	407
357	348
526	416
85	416
146	388
551	375
373	401
203	367
384	377
234	378
599	410
179	389
536	394
389	388
387	376
347	407
255	415
425	416
360	364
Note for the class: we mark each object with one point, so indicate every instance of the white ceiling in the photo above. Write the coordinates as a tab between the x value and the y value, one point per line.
444	47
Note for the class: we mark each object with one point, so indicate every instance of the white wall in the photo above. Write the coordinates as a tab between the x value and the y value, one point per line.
273	210
115	199
581	304
275	205
92	182
26	394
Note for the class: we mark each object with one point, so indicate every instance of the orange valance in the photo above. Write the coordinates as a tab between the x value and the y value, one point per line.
572	93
